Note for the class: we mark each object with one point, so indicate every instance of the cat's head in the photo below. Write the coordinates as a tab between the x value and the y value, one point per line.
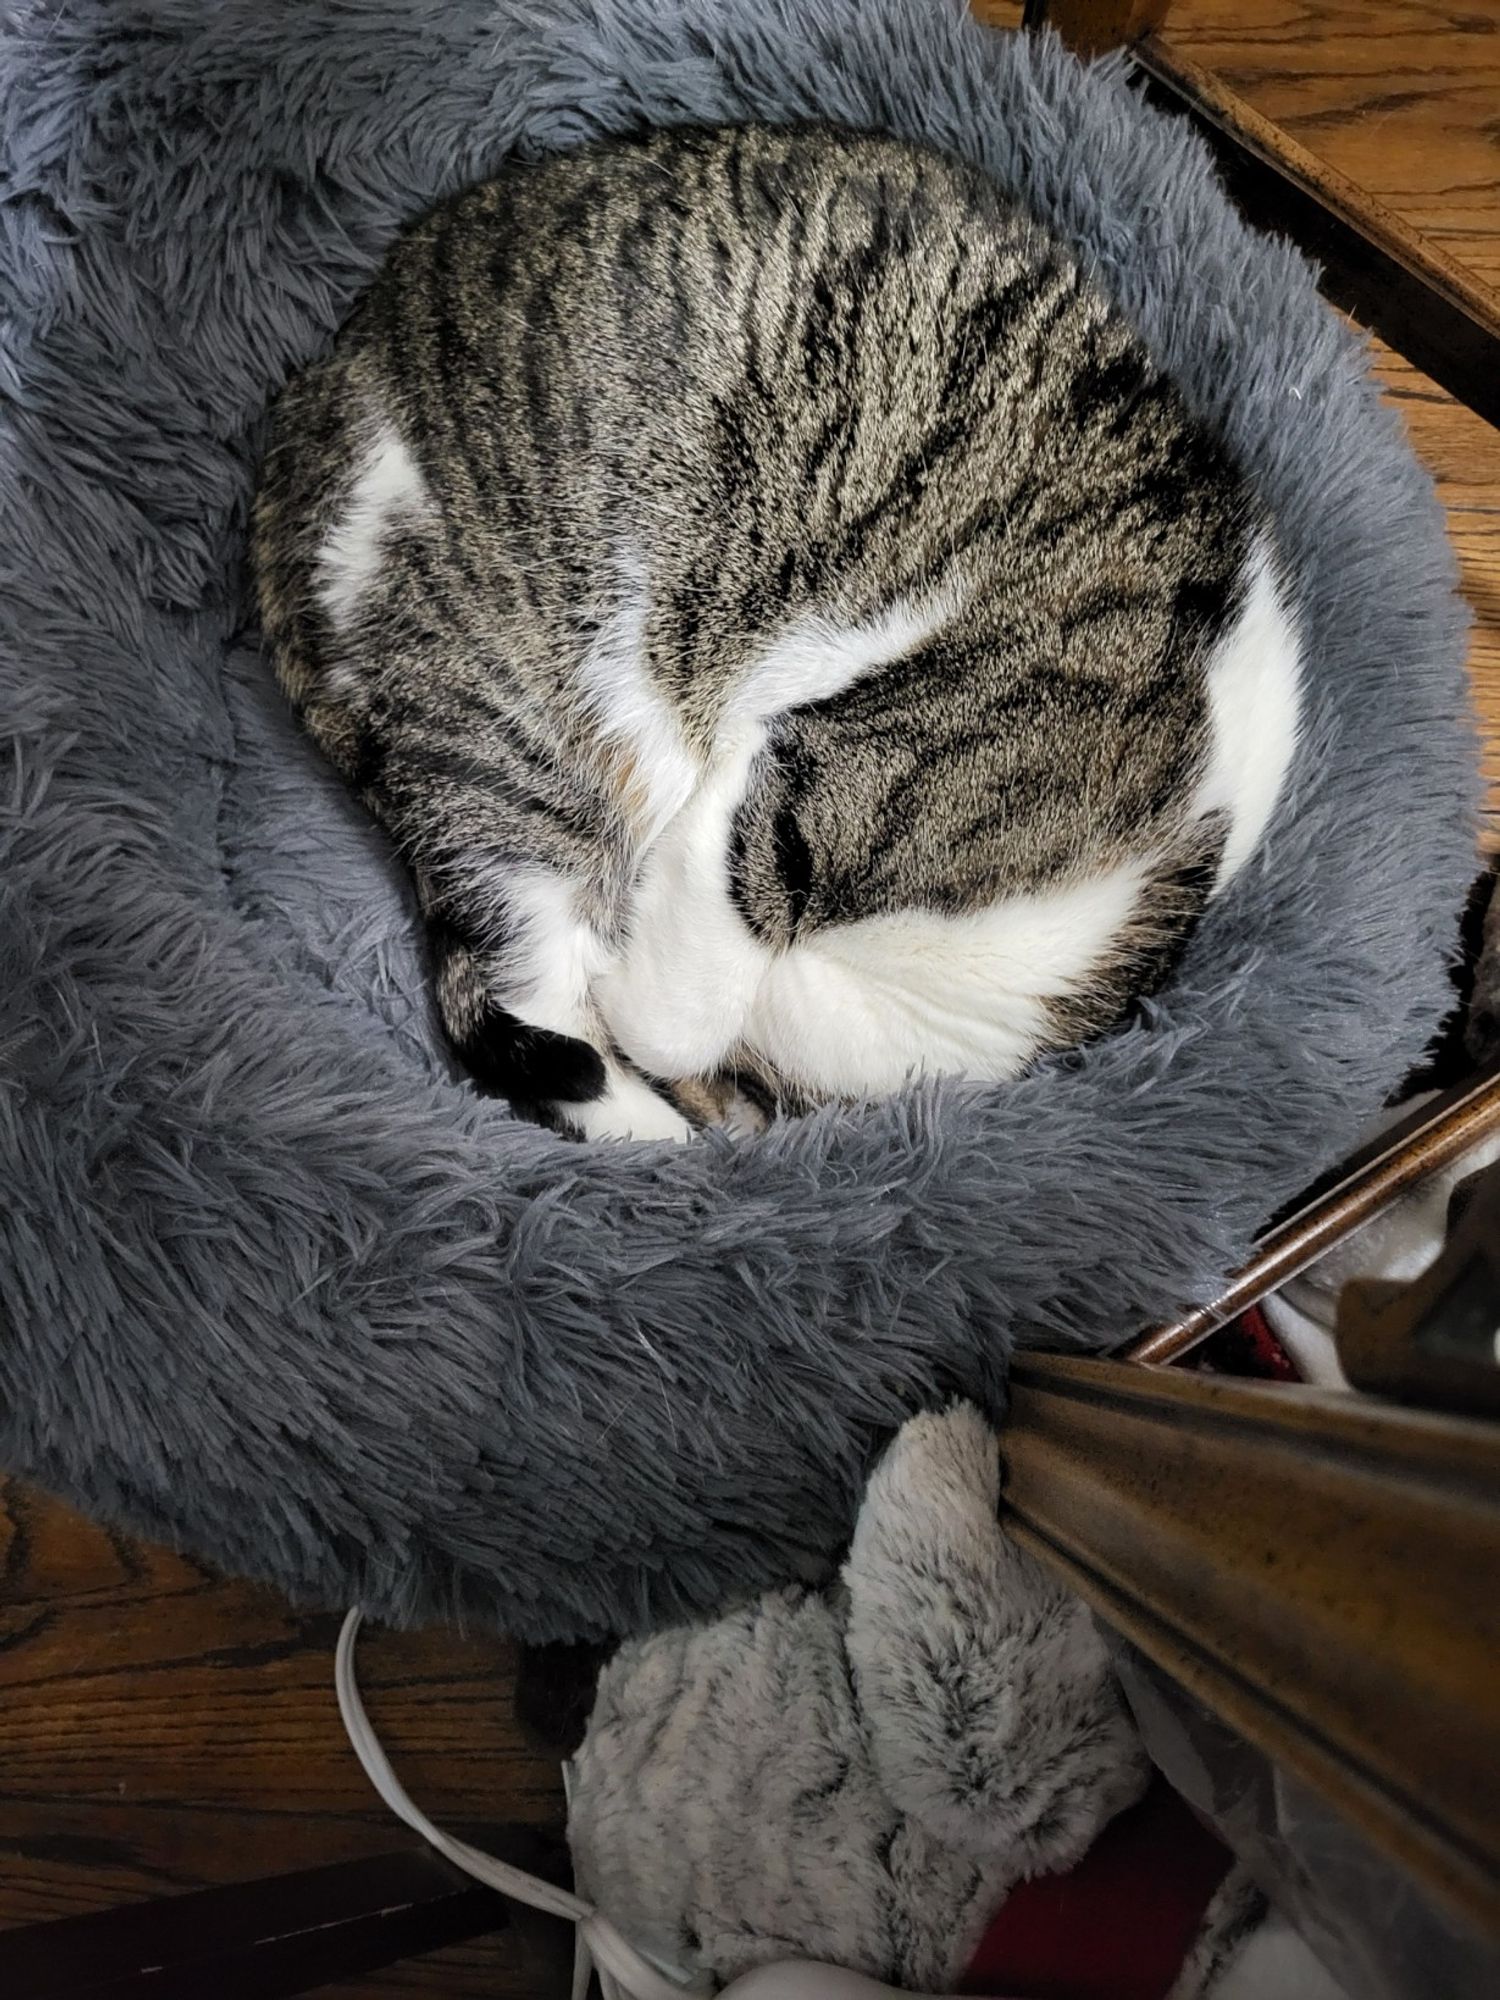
863	889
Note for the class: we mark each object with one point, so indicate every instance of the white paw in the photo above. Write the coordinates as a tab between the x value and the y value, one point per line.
629	1109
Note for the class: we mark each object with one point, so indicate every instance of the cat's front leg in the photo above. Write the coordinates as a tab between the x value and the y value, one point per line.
514	993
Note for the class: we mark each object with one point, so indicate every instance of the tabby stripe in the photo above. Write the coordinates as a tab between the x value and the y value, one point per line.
983	326
457	365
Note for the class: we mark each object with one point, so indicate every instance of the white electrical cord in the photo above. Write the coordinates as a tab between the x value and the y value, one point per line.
623	1973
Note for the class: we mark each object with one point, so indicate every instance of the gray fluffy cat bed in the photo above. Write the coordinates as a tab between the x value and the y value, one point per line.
276	1285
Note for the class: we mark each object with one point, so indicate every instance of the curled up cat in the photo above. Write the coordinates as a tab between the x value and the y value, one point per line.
793	632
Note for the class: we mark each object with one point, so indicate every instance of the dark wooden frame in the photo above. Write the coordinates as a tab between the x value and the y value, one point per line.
259	1940
1317	1568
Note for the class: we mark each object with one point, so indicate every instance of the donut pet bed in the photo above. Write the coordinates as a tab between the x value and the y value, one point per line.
278	1286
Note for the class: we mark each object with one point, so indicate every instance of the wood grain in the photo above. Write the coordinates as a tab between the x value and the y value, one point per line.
1375	266
1403	96
162	1729
1091	26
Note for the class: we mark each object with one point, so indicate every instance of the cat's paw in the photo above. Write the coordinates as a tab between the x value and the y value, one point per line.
627	1108
718	1103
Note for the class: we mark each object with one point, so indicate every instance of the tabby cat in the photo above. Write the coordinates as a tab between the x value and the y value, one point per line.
785	620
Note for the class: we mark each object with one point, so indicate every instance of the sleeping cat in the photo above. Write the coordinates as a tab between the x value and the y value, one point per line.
786	622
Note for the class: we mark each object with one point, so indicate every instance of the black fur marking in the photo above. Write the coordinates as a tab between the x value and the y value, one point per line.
735	447
436	590
984	326
738	851
1091	606
756	1091
509	1058
1202	604
530	1067
1107	390
1155	392
794	863
368	763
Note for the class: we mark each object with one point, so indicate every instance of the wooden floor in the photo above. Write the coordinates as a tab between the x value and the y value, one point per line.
161	1730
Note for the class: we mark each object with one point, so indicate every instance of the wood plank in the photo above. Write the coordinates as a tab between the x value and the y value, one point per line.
162	1729
1306	1564
1463	455
1091	26
1402	96
1374	265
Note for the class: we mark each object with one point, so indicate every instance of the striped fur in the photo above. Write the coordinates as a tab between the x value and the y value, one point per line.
731	554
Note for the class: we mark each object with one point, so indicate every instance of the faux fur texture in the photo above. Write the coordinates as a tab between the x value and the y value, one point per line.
278	1287
858	1776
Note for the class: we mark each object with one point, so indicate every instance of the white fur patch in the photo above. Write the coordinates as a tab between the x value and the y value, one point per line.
862	1007
631	711
677	1000
1254	680
551	956
818	658
629	1109
388	484
545	976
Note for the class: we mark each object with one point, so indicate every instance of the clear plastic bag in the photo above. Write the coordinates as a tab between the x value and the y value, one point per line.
1378	1934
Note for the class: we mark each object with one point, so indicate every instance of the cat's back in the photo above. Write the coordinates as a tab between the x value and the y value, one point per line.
820	341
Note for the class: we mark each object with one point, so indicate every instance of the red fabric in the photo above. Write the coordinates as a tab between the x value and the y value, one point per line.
1275	1363
1247	1346
1120	1924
